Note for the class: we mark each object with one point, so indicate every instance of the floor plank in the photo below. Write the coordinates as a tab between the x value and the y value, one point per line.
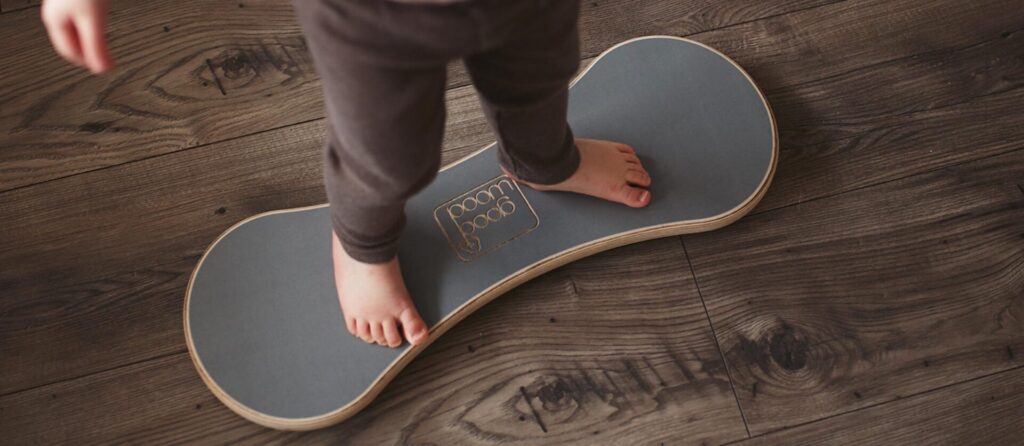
581	355
114	312
13	5
853	35
132	266
127	239
195	72
190	72
859	299
985	411
887	121
133	404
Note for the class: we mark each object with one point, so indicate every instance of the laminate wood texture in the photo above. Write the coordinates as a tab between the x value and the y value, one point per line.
12	5
871	295
200	72
573	367
982	411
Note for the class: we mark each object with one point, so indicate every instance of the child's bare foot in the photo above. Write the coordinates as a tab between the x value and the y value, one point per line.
373	297
607	170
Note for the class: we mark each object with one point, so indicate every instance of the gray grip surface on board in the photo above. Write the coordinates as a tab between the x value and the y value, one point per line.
263	317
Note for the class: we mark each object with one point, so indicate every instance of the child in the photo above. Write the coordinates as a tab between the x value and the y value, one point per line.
383	63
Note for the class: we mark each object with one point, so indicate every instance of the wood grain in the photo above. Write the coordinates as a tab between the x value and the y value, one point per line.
937	108
125	254
985	411
195	72
589	358
12	5
190	72
149	402
865	297
839	38
133	264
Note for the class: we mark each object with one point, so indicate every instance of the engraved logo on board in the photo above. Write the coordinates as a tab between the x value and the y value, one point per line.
486	218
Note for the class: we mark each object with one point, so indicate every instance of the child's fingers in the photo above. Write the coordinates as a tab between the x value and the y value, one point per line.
65	40
92	30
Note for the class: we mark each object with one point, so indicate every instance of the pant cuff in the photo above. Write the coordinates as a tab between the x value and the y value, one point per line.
377	253
551	172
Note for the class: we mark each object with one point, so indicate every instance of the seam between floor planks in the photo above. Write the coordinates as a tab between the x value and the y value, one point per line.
108	370
714	334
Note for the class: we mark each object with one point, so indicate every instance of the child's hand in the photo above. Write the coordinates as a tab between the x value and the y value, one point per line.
77	29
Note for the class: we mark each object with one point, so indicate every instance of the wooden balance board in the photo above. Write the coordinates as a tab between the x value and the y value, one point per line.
262	319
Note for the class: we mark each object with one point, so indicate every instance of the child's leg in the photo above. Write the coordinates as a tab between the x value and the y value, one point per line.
385	114
523	84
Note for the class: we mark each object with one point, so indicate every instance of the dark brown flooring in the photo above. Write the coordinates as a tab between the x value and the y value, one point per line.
875	296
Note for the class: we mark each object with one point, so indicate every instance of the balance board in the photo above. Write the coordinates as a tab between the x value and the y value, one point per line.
262	319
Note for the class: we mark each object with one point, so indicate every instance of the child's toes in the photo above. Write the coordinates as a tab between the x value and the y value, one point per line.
633	196
638	177
413	327
377	330
350	323
631	158
391	333
363	330
625	148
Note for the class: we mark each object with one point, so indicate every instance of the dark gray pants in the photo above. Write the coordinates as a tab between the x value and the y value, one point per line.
383	69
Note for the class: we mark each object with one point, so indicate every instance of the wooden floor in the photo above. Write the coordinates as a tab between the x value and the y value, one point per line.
876	296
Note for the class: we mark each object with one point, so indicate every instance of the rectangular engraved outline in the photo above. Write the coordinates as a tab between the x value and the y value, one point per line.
454	247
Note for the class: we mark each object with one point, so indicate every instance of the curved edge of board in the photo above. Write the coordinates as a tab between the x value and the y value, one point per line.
484	297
